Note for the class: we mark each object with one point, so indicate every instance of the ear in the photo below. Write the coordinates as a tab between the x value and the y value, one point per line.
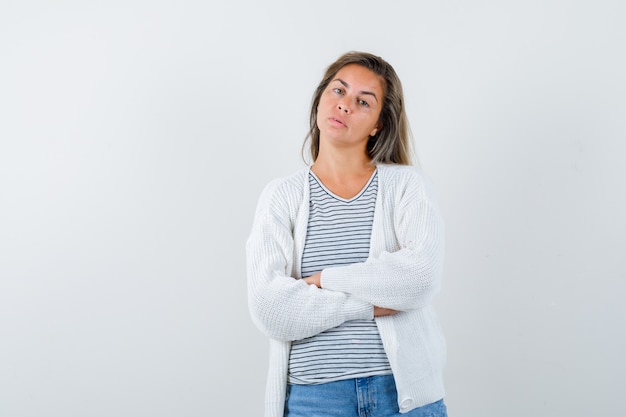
375	130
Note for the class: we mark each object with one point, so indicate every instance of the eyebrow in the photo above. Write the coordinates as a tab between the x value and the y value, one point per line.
345	84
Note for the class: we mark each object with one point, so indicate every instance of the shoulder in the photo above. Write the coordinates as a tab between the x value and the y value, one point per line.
286	186
403	178
283	193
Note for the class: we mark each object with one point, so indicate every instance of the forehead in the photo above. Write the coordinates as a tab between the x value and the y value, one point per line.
360	78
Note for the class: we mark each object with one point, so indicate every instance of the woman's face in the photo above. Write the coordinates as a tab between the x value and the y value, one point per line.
349	107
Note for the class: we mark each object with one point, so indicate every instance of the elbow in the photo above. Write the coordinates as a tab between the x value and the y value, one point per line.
269	322
262	318
426	284
269	330
427	274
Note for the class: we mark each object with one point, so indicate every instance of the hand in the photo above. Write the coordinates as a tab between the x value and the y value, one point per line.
380	311
314	280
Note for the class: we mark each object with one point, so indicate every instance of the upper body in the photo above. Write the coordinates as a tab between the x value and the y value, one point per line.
403	273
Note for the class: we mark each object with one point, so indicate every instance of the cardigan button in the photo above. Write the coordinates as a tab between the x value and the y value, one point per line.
406	403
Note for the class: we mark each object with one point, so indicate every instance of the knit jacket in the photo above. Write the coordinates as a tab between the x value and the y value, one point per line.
403	272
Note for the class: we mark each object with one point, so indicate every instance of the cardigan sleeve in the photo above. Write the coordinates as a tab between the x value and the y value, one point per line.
283	307
408	276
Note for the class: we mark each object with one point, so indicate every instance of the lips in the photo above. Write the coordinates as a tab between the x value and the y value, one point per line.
336	121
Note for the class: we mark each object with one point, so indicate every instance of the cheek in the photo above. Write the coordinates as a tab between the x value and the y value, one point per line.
371	121
325	102
319	117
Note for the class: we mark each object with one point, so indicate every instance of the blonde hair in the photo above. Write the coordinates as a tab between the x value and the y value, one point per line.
392	142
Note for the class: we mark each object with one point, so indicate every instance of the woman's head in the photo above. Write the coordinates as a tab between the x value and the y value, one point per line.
391	142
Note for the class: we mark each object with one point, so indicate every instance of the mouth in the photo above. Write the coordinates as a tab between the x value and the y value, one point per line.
336	122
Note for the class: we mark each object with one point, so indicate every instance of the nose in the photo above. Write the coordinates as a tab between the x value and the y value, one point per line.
343	107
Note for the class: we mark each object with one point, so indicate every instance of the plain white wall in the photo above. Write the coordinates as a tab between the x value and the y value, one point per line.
135	137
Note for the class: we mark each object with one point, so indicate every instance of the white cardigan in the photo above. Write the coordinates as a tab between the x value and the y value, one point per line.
403	272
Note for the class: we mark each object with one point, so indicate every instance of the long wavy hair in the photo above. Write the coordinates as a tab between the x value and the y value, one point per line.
392	142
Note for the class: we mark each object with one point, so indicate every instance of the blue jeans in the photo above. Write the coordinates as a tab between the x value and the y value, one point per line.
373	396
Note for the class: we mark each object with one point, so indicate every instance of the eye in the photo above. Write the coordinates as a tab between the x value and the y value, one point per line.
337	90
363	103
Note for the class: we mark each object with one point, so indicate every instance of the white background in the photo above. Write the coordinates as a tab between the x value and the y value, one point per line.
135	137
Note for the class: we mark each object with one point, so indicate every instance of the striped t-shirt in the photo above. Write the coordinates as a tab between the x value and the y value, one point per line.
338	234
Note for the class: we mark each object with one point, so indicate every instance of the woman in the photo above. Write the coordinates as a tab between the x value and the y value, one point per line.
344	258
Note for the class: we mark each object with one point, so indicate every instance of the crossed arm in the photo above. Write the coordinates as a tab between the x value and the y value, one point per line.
378	311
286	308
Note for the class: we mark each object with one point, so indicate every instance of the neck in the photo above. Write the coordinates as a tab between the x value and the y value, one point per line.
342	164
